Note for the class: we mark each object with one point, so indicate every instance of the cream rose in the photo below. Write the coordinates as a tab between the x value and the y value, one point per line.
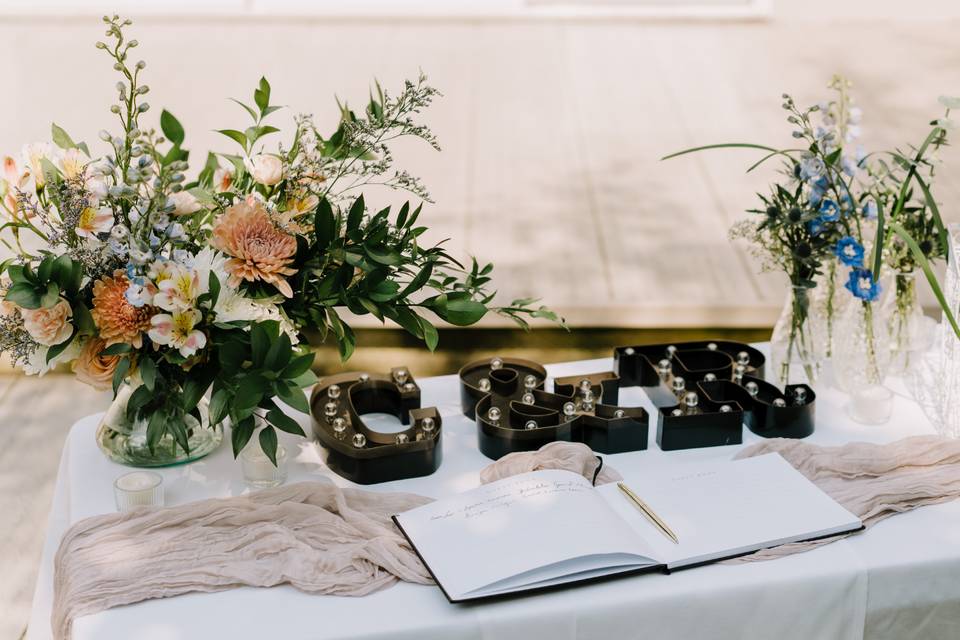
184	203
265	169
94	369
49	326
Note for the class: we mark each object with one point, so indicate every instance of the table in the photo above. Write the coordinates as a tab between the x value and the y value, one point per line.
898	580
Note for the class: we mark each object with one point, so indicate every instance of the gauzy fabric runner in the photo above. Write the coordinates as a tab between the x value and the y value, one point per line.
873	481
323	539
313	535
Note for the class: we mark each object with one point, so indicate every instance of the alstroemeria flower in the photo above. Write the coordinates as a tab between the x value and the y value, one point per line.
178	330
72	163
33	154
849	251
222	180
862	285
178	291
94	221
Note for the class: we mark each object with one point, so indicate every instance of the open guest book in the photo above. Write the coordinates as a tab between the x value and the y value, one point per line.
547	528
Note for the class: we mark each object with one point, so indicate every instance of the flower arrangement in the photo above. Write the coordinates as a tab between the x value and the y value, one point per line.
130	271
837	207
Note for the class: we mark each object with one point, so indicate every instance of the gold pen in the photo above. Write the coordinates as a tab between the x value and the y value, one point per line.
647	511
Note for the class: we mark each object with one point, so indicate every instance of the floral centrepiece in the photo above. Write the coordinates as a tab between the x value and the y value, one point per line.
190	296
837	216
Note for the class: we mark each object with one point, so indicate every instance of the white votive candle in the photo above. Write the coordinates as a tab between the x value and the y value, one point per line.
138	489
871	405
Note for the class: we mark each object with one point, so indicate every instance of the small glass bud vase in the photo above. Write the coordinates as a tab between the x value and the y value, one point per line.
934	376
827	300
797	343
905	321
259	472
861	361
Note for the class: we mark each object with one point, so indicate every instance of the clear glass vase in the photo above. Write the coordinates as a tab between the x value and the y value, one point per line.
826	303
861	361
125	441
934	377
905	321
797	343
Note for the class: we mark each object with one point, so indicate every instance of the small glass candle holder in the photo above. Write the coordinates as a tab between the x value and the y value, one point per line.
138	489
872	404
259	471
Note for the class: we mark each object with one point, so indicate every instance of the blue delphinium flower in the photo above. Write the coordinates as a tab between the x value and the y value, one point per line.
849	251
817	189
862	285
815	226
829	210
870	210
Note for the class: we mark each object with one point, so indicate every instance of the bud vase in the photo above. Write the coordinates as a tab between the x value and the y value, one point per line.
125	441
861	361
934	378
905	321
796	346
826	302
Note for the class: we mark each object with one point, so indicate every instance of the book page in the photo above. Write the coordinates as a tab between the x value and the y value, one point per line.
729	508
532	524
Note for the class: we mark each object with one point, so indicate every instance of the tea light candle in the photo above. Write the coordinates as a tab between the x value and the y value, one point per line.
259	471
871	405
138	489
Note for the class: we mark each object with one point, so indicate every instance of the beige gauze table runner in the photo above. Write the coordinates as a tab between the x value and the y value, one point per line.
326	540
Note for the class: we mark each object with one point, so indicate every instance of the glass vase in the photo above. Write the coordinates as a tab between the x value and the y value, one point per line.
125	441
905	321
861	361
796	346
934	377
826	303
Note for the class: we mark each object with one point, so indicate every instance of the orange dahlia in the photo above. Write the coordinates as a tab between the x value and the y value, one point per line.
117	319
258	250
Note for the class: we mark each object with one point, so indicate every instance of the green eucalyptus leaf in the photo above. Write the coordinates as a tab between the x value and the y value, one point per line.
284	422
51	296
268	442
171	128
117	349
355	215
279	354
156	427
23	294
324	224
57	349
61	138
240	434
293	397
298	365
219	406
120	373
148	371
236	136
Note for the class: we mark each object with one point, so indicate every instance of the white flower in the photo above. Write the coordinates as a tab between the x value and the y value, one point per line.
950	102
178	290
222	180
97	186
72	163
177	330
946	123
32	155
37	364
184	203
94	221
265	168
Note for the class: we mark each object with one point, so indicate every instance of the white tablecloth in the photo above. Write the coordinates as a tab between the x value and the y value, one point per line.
899	580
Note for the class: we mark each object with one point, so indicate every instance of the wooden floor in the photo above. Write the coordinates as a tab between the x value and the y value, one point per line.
552	131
